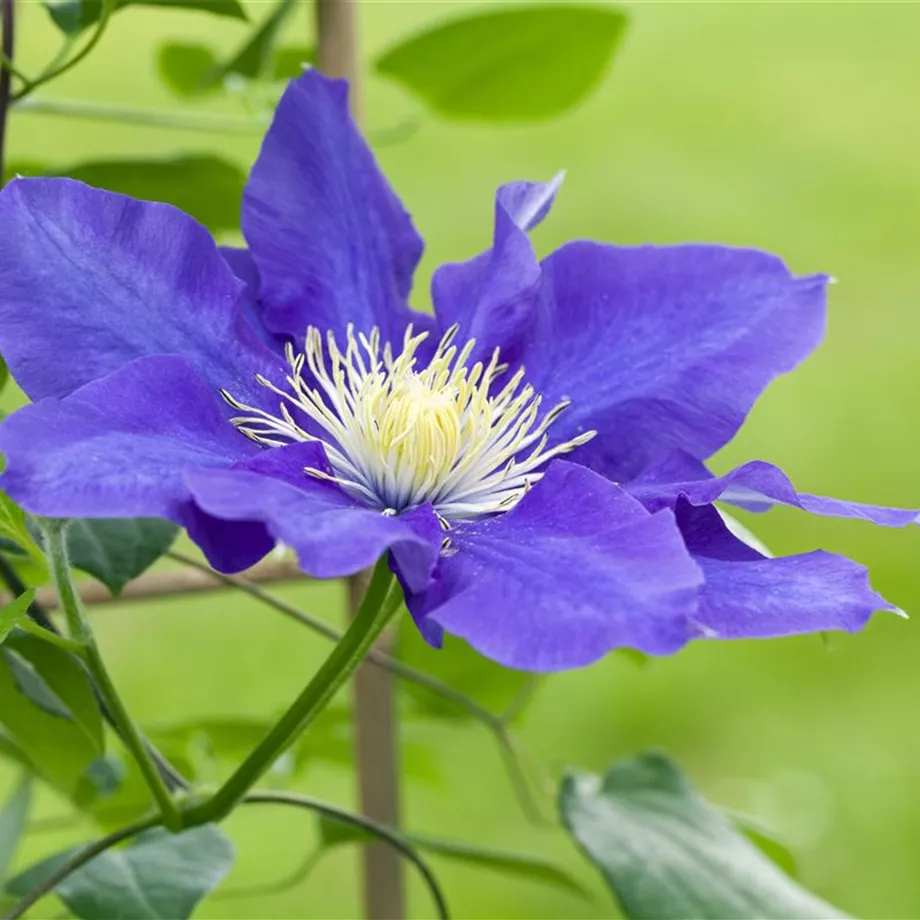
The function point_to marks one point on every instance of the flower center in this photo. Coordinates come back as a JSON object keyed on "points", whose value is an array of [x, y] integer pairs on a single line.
{"points": [[397, 436]]}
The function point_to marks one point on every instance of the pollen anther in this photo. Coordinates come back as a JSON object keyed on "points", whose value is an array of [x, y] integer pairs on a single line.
{"points": [[396, 435]]}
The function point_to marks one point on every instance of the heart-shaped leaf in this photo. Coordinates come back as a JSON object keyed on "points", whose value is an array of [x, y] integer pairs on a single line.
{"points": [[161, 876], [666, 853]]}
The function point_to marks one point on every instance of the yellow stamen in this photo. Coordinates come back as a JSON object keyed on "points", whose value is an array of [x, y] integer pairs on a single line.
{"points": [[397, 436]]}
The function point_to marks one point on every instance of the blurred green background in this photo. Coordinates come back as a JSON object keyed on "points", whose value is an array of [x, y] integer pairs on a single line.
{"points": [[791, 126]]}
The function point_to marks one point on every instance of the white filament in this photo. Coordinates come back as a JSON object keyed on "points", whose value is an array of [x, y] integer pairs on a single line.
{"points": [[396, 437]]}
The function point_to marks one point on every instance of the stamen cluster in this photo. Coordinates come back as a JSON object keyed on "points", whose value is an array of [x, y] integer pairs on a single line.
{"points": [[397, 436]]}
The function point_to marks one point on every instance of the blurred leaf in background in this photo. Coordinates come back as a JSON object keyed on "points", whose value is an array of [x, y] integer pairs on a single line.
{"points": [[191, 69], [522, 64], [73, 16], [206, 186]]}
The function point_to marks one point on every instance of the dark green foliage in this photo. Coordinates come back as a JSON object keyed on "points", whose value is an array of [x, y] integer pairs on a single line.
{"points": [[665, 852]]}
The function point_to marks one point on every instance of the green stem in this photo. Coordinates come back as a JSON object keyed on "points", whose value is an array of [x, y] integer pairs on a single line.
{"points": [[66, 645], [387, 835], [497, 725], [81, 633], [156, 118], [6, 62], [53, 72], [375, 656], [380, 604]]}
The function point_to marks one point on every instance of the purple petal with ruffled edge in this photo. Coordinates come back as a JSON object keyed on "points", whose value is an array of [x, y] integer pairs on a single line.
{"points": [[117, 447], [493, 296], [331, 534], [91, 280], [576, 569], [756, 486], [664, 347], [747, 596], [332, 242]]}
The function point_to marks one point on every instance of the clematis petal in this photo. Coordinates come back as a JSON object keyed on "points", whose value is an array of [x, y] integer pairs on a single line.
{"points": [[117, 447], [756, 486], [665, 347], [576, 569], [493, 296], [332, 242], [244, 267], [91, 280], [747, 596], [331, 534]]}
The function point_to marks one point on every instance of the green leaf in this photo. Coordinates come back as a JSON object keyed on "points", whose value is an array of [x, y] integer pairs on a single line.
{"points": [[11, 751], [511, 65], [117, 551], [203, 185], [533, 868], [161, 876], [4, 374], [48, 708], [190, 69], [73, 16], [186, 68], [101, 780], [459, 666], [30, 684], [251, 60], [765, 841], [39, 723], [13, 612], [14, 527], [13, 822], [633, 656], [665, 852], [66, 679]]}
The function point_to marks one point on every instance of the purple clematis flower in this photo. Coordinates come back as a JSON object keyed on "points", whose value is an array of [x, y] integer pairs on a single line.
{"points": [[531, 457]]}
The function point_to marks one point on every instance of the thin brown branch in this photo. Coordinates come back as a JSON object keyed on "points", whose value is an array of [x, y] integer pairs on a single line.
{"points": [[158, 585]]}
